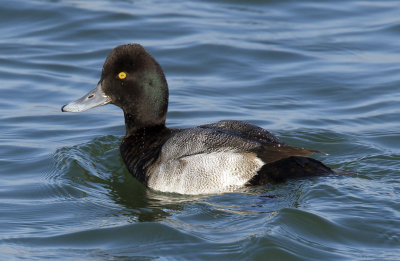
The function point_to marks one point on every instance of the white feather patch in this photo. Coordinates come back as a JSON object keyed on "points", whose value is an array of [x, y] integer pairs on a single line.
{"points": [[205, 173]]}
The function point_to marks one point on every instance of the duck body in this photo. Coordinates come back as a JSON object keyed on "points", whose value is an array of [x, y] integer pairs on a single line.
{"points": [[210, 158], [213, 158]]}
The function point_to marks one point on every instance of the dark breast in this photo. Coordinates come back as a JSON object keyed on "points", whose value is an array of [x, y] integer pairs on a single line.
{"points": [[140, 150]]}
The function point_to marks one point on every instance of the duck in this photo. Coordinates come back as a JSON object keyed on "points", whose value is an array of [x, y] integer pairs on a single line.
{"points": [[212, 158]]}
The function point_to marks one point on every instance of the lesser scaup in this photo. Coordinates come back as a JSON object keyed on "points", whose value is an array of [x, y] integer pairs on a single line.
{"points": [[209, 158]]}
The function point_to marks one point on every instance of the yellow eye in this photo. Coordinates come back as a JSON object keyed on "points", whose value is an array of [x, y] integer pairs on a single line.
{"points": [[122, 75]]}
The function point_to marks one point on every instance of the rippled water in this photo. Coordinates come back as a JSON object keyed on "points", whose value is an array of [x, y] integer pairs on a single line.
{"points": [[319, 74]]}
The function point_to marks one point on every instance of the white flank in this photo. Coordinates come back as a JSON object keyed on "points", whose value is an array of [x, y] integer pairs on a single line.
{"points": [[205, 173]]}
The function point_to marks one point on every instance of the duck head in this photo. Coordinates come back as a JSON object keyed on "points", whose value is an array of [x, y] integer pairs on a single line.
{"points": [[132, 80]]}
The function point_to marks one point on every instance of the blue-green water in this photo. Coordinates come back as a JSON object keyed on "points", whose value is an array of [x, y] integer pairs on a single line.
{"points": [[318, 74]]}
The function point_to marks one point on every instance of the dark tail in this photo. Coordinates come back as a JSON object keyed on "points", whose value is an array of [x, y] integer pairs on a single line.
{"points": [[289, 168]]}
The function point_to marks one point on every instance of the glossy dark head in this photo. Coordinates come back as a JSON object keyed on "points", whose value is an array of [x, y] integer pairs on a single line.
{"points": [[135, 82]]}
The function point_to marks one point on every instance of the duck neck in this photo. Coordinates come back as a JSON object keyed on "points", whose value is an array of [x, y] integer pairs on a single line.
{"points": [[135, 126]]}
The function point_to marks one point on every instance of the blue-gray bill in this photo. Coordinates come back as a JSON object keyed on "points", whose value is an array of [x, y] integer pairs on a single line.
{"points": [[94, 98]]}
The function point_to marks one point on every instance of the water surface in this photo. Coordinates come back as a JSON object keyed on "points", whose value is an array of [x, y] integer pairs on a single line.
{"points": [[318, 74]]}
